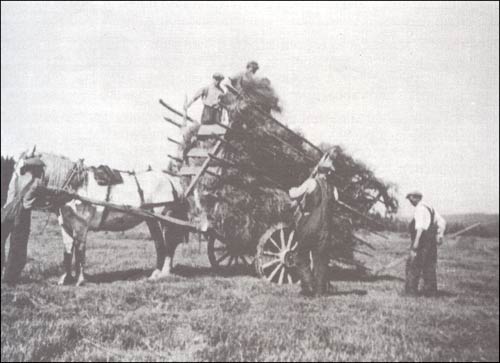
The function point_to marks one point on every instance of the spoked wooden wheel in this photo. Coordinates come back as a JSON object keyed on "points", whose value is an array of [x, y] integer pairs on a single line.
{"points": [[273, 254], [221, 256]]}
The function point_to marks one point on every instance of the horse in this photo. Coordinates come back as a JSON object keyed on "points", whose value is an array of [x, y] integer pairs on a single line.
{"points": [[151, 190]]}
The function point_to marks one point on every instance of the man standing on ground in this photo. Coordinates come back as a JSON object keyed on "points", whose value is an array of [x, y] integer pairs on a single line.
{"points": [[16, 218], [316, 195], [427, 231], [211, 97]]}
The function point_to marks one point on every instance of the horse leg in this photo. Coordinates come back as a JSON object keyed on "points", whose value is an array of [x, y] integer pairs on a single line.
{"points": [[156, 234], [171, 243], [172, 236], [168, 255], [68, 242]]}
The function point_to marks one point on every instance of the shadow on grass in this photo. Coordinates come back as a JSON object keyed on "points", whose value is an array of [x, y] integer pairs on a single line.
{"points": [[125, 275], [232, 271], [437, 295], [336, 274], [348, 292], [200, 271], [443, 293], [178, 270]]}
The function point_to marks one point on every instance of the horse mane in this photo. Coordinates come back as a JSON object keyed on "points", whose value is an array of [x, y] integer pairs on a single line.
{"points": [[60, 169]]}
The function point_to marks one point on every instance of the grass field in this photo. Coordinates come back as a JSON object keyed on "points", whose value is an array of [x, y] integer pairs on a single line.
{"points": [[199, 315]]}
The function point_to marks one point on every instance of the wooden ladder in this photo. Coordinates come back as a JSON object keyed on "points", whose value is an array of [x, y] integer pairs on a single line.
{"points": [[205, 132]]}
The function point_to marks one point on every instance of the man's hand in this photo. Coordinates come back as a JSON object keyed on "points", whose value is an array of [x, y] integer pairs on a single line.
{"points": [[413, 254]]}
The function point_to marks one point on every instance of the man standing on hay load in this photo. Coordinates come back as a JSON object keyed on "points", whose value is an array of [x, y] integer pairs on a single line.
{"points": [[211, 98], [16, 218], [316, 197], [426, 230], [238, 80]]}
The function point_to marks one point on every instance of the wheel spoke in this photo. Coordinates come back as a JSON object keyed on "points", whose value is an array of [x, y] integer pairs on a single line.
{"points": [[274, 243], [271, 276], [245, 260], [294, 246], [229, 261], [282, 274], [221, 248], [268, 253], [289, 278], [282, 238], [266, 265], [290, 239], [222, 258]]}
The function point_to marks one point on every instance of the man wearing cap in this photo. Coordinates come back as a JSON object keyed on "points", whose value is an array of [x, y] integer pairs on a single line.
{"points": [[238, 80], [16, 217], [316, 197], [427, 231], [211, 97]]}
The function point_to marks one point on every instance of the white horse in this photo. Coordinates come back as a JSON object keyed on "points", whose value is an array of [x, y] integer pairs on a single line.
{"points": [[150, 190]]}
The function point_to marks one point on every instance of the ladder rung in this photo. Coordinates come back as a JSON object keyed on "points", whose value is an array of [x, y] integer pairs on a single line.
{"points": [[198, 152], [193, 170], [207, 131]]}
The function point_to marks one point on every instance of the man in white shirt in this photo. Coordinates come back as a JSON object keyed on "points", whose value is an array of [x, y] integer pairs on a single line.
{"points": [[427, 230], [211, 97]]}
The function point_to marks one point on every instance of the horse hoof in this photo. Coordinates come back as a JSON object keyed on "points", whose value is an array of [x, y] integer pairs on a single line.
{"points": [[80, 281], [162, 275], [65, 279], [154, 275]]}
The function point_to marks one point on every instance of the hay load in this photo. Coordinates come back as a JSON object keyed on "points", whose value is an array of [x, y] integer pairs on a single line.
{"points": [[261, 161]]}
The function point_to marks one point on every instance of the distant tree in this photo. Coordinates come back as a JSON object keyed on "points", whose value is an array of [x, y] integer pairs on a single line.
{"points": [[7, 171]]}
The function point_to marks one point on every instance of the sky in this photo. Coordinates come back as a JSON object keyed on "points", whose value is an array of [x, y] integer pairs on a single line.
{"points": [[411, 89]]}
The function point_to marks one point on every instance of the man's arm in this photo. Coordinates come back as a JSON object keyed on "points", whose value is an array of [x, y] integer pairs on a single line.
{"points": [[195, 97], [307, 187], [417, 239], [422, 223]]}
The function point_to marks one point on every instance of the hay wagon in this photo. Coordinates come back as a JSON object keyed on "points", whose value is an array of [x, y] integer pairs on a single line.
{"points": [[256, 156]]}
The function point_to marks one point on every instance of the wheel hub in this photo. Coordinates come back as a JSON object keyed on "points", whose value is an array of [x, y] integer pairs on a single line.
{"points": [[290, 259]]}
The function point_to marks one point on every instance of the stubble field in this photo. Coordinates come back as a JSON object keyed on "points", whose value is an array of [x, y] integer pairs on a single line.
{"points": [[198, 314]]}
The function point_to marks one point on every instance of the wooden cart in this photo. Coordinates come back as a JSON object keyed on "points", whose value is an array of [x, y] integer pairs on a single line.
{"points": [[271, 251]]}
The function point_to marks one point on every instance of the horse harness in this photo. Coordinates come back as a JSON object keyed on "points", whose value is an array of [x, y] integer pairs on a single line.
{"points": [[78, 169]]}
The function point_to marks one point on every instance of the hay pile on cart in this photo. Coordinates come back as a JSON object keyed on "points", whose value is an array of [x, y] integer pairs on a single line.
{"points": [[237, 175]]}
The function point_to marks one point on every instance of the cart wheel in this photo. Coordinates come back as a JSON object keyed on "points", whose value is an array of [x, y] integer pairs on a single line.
{"points": [[220, 256], [272, 253]]}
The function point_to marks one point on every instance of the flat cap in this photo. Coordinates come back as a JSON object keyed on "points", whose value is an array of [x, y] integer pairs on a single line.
{"points": [[415, 193], [218, 75], [253, 64]]}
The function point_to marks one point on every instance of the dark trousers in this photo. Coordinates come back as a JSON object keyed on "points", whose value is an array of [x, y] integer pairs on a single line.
{"points": [[18, 227], [422, 266], [210, 115], [314, 281]]}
